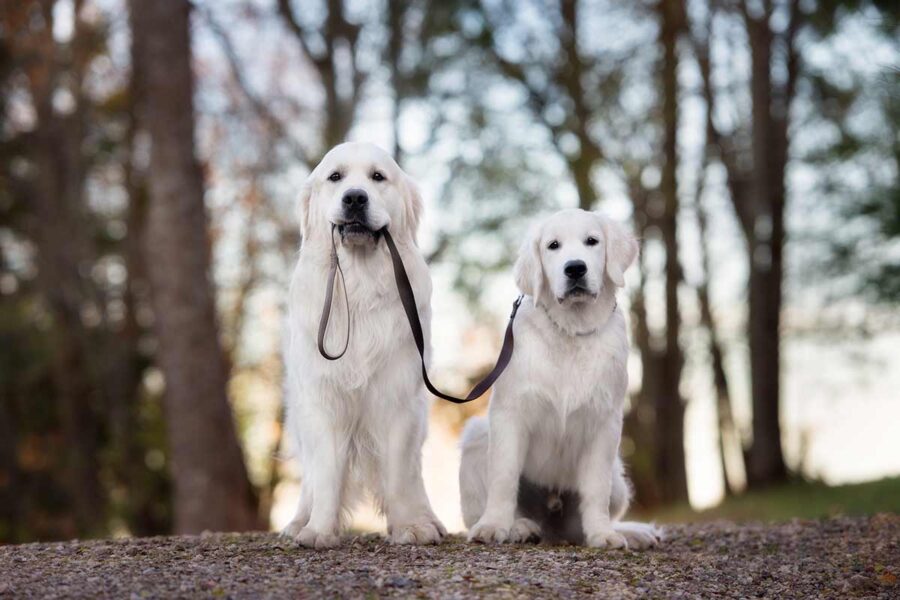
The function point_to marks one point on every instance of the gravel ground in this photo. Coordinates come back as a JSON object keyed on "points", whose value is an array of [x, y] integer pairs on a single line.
{"points": [[838, 558]]}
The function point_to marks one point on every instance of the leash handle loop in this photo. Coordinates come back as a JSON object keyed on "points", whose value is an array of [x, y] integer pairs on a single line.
{"points": [[333, 271]]}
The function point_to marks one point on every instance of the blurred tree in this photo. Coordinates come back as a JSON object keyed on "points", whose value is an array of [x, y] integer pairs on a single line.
{"points": [[757, 191], [859, 170], [756, 153], [669, 405], [63, 246], [568, 77], [72, 402], [872, 214], [342, 81], [211, 487]]}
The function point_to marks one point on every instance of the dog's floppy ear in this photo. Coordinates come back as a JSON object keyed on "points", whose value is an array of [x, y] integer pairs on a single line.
{"points": [[302, 209], [412, 205], [621, 250], [528, 271]]}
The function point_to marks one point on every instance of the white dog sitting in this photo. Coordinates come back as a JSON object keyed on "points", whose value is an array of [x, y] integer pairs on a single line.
{"points": [[545, 462], [359, 421]]}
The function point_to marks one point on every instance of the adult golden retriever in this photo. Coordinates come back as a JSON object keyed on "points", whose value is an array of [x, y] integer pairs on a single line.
{"points": [[359, 421]]}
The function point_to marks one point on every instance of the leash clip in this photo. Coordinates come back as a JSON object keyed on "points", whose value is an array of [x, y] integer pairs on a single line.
{"points": [[516, 305]]}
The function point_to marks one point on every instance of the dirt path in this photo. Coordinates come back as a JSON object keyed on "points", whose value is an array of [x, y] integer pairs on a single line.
{"points": [[836, 558]]}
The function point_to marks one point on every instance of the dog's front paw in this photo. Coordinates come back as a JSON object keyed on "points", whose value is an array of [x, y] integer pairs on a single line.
{"points": [[319, 540], [639, 536], [488, 532], [421, 532], [524, 530], [293, 528], [606, 538]]}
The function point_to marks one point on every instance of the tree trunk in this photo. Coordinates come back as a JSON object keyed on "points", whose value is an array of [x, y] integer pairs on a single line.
{"points": [[766, 239], [639, 422], [758, 197], [212, 491], [670, 461], [11, 496], [571, 77], [395, 17], [62, 237], [581, 170]]}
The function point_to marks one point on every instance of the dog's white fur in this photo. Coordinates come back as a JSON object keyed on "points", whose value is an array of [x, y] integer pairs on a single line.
{"points": [[555, 416], [359, 421]]}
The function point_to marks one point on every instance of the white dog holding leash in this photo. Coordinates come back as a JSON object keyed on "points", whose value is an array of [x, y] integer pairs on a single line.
{"points": [[359, 421]]}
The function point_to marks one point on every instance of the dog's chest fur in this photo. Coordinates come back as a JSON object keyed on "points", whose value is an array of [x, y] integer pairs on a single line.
{"points": [[566, 390], [565, 373], [380, 338]]}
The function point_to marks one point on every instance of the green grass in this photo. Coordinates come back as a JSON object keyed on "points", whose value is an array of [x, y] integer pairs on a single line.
{"points": [[805, 500]]}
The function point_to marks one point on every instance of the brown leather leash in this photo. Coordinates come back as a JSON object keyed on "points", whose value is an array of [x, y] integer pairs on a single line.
{"points": [[408, 299]]}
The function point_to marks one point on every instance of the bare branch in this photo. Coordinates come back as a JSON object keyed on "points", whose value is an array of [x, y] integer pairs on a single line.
{"points": [[795, 21], [724, 143], [272, 122], [293, 25]]}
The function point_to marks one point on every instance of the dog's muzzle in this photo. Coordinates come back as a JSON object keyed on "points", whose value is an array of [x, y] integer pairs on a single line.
{"points": [[576, 272], [354, 224]]}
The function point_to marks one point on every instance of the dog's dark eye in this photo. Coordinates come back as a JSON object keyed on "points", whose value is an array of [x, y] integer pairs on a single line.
{"points": [[334, 176], [378, 176], [591, 241], [554, 245]]}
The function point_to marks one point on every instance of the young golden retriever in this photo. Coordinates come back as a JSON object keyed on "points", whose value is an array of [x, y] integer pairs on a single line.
{"points": [[545, 463]]}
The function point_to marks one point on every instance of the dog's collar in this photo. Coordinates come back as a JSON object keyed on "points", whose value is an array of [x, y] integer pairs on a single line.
{"points": [[580, 334]]}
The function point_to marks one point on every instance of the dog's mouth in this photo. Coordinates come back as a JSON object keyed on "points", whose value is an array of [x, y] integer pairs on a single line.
{"points": [[577, 292], [355, 230]]}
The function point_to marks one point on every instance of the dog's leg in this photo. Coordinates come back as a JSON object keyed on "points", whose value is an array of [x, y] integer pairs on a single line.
{"points": [[304, 508], [595, 476], [620, 492], [327, 465], [638, 535], [473, 482], [294, 429], [506, 455], [410, 519]]}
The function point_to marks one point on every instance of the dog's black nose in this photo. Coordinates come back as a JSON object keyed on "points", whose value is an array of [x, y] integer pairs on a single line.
{"points": [[355, 198], [575, 269]]}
